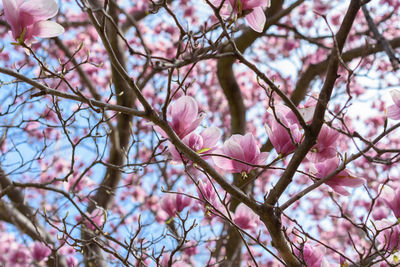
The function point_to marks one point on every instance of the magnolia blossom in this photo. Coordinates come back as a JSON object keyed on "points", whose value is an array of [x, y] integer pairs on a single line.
{"points": [[338, 182], [97, 216], [29, 19], [281, 139], [202, 143], [173, 203], [40, 251], [245, 217], [393, 111], [243, 148], [206, 192], [389, 236], [185, 117], [325, 147], [252, 9], [18, 257], [392, 199], [313, 256]]}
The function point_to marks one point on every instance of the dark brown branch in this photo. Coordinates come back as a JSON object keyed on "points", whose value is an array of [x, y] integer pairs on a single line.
{"points": [[324, 97], [303, 84], [48, 91], [381, 40]]}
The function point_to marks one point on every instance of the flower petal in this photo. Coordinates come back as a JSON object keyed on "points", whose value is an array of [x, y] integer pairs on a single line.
{"points": [[11, 13], [40, 9], [47, 29], [396, 97], [210, 137], [256, 19], [393, 112], [249, 148]]}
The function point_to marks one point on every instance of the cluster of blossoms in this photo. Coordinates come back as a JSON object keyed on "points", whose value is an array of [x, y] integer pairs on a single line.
{"points": [[241, 154], [284, 131], [388, 230]]}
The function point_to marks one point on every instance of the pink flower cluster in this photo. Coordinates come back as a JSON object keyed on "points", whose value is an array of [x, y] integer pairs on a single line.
{"points": [[285, 133], [238, 154]]}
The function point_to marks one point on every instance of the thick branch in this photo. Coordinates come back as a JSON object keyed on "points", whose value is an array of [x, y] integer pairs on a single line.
{"points": [[324, 97]]}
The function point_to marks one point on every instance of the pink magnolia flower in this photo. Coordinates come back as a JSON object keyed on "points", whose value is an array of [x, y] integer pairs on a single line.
{"points": [[312, 255], [389, 236], [393, 111], [280, 138], [71, 261], [40, 251], [206, 191], [392, 199], [97, 216], [341, 180], [185, 117], [252, 9], [18, 257], [325, 148], [173, 203], [202, 143], [30, 18], [243, 148], [245, 217]]}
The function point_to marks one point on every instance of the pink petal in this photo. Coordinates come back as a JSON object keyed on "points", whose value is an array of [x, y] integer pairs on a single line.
{"points": [[339, 189], [233, 149], [250, 4], [261, 158], [11, 13], [222, 162], [160, 131], [210, 136], [40, 9], [47, 29], [194, 141], [249, 148], [184, 115], [393, 112], [256, 19], [193, 126], [396, 97], [174, 152]]}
